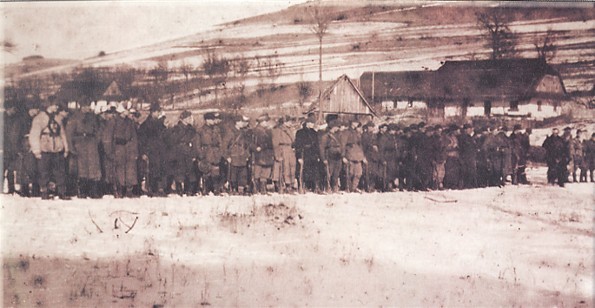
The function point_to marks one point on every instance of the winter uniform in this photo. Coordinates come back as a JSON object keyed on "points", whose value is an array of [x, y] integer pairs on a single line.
{"points": [[49, 144], [331, 152], [557, 157], [307, 149], [209, 150], [121, 149], [180, 165], [152, 145], [263, 157], [589, 154], [468, 157], [84, 135], [354, 157], [13, 130], [238, 152], [285, 162], [578, 161]]}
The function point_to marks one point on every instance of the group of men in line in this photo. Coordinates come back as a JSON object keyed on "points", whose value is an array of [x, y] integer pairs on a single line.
{"points": [[568, 156], [90, 155]]}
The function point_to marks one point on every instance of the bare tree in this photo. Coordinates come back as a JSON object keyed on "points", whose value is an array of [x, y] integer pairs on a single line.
{"points": [[186, 70], [494, 23], [273, 67], [218, 69], [320, 22], [241, 67], [546, 48]]}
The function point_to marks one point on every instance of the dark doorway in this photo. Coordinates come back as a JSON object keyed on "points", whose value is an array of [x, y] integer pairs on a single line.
{"points": [[487, 108]]}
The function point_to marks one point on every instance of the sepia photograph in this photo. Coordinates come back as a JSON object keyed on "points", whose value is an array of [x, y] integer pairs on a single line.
{"points": [[292, 153]]}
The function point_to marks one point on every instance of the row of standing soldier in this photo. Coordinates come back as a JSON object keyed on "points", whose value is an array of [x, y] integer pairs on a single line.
{"points": [[115, 154]]}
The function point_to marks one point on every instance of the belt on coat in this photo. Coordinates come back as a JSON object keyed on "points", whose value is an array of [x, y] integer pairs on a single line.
{"points": [[84, 135]]}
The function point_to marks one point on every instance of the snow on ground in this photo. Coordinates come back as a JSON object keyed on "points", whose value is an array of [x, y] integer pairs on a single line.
{"points": [[511, 246]]}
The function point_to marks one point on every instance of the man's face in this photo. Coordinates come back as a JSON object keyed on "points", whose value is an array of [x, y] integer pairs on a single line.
{"points": [[155, 114], [33, 112], [555, 132], [310, 125], [384, 129], [52, 109]]}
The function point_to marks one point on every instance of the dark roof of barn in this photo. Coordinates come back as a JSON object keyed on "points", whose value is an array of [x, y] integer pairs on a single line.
{"points": [[408, 84], [512, 79]]}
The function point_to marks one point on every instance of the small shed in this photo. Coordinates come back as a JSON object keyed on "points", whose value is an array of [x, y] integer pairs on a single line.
{"points": [[343, 98], [113, 90]]}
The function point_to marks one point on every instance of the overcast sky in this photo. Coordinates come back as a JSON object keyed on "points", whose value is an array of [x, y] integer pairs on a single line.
{"points": [[77, 30]]}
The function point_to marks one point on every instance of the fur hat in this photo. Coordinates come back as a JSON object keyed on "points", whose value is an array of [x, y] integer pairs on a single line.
{"points": [[185, 114]]}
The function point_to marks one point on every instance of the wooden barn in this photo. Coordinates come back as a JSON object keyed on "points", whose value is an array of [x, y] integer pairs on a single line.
{"points": [[508, 87], [344, 99]]}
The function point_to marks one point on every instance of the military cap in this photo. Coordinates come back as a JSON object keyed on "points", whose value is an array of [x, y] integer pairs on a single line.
{"points": [[155, 107], [310, 120], [413, 126], [186, 114], [421, 124], [263, 117], [567, 128], [393, 126]]}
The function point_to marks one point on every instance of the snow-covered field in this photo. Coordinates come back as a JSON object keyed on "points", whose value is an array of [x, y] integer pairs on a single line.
{"points": [[511, 246]]}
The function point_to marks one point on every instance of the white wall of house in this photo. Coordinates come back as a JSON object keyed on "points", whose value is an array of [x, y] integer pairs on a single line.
{"points": [[404, 104], [547, 109]]}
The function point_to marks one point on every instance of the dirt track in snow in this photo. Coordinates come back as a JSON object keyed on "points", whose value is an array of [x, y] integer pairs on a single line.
{"points": [[527, 245]]}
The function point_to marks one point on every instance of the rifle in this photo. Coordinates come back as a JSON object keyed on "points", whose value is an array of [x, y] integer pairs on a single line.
{"points": [[384, 176], [229, 188], [367, 175], [145, 185], [301, 180], [348, 176], [282, 177], [328, 178]]}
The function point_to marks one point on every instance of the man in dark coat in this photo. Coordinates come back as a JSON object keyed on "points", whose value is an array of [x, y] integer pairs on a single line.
{"points": [[210, 150], [263, 154], [370, 145], [331, 153], [120, 142], [439, 143], [13, 129], [506, 154], [153, 152], [353, 155], [577, 156], [491, 151], [84, 134], [181, 154], [308, 155], [28, 173], [283, 138], [468, 157], [238, 155], [589, 154], [519, 156], [452, 166], [557, 155]]}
